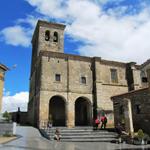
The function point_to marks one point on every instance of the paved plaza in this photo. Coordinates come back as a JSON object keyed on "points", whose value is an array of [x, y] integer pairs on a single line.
{"points": [[30, 139]]}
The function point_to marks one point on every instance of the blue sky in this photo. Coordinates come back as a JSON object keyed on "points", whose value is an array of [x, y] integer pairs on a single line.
{"points": [[111, 29]]}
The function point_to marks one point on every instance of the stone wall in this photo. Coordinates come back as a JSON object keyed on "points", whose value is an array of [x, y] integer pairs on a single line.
{"points": [[70, 71], [144, 67], [39, 42], [70, 86], [106, 88], [69, 98], [6, 128], [140, 104]]}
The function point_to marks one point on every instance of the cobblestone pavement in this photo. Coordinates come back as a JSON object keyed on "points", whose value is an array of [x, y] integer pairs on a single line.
{"points": [[32, 140]]}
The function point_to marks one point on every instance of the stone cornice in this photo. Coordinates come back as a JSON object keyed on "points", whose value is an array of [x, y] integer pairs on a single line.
{"points": [[64, 56], [4, 67], [46, 89], [80, 58], [109, 84]]}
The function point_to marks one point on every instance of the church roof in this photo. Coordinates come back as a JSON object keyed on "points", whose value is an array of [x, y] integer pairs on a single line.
{"points": [[129, 93]]}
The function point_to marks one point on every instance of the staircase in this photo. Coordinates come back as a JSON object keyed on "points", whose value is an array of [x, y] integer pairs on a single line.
{"points": [[82, 134]]}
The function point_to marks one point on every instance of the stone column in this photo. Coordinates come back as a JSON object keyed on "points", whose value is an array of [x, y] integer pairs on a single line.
{"points": [[128, 116], [43, 114], [70, 114]]}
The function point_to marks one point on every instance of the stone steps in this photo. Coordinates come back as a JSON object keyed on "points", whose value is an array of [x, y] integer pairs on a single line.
{"points": [[87, 140], [82, 134], [86, 137]]}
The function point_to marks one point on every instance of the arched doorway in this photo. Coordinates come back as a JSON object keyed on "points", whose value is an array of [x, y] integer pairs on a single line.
{"points": [[83, 113], [57, 112]]}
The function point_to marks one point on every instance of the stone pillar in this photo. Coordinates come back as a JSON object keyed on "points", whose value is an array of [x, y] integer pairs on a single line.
{"points": [[128, 116], [43, 115], [70, 114]]}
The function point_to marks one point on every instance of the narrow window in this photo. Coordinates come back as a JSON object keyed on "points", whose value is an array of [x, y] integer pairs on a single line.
{"points": [[138, 108], [47, 35], [58, 77], [144, 79], [83, 80], [55, 39], [114, 77]]}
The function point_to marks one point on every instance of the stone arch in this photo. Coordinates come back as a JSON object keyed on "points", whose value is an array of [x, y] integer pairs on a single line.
{"points": [[83, 112], [47, 35], [55, 38], [57, 110]]}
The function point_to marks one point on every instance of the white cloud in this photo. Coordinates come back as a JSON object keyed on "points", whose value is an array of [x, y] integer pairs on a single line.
{"points": [[110, 34], [113, 38], [30, 21], [16, 35], [49, 7], [11, 103], [106, 1]]}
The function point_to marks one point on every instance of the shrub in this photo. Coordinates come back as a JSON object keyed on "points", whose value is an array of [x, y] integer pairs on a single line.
{"points": [[7, 116], [7, 134], [140, 134]]}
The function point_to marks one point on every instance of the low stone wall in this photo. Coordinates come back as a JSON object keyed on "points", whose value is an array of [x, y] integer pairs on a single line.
{"points": [[6, 128]]}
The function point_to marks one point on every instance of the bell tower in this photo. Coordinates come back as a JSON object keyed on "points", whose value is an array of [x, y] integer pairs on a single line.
{"points": [[48, 36]]}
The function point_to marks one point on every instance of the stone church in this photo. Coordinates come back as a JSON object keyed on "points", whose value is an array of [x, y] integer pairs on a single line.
{"points": [[71, 90]]}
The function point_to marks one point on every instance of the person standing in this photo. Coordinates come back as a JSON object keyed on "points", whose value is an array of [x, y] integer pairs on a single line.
{"points": [[103, 122], [97, 122]]}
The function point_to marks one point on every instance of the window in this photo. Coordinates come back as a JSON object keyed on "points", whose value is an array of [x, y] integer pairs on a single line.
{"points": [[138, 108], [83, 80], [114, 77], [55, 39], [47, 35], [144, 79], [58, 77]]}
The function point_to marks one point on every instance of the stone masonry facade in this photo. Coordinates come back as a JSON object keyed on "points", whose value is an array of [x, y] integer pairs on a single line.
{"points": [[140, 106], [77, 80], [139, 117]]}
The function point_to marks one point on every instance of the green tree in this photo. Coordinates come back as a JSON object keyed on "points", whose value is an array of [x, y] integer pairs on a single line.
{"points": [[7, 116]]}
